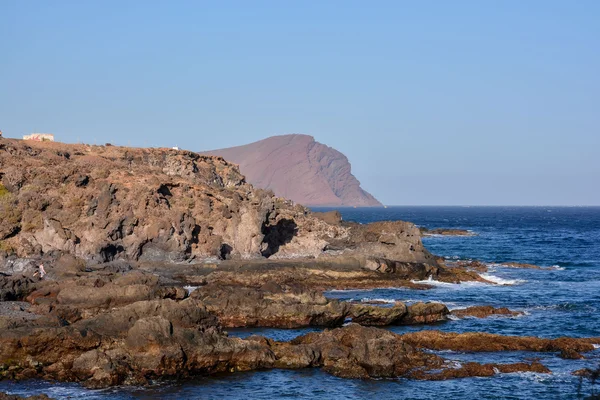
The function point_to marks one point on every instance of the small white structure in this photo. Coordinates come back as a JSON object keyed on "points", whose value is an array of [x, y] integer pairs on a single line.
{"points": [[175, 148], [40, 137]]}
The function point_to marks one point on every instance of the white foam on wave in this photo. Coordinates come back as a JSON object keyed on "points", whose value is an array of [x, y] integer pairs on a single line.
{"points": [[190, 289], [454, 307], [433, 282], [596, 346], [349, 290], [493, 266], [501, 281], [378, 300], [454, 364]]}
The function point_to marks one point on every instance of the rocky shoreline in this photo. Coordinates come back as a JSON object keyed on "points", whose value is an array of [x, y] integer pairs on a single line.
{"points": [[151, 254]]}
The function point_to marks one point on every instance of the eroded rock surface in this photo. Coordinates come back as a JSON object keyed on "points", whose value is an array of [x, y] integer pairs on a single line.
{"points": [[480, 341], [484, 312]]}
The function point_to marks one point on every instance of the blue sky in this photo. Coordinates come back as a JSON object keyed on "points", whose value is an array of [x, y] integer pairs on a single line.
{"points": [[434, 102]]}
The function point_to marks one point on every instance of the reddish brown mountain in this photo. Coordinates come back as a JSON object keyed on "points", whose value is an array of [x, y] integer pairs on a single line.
{"points": [[299, 168]]}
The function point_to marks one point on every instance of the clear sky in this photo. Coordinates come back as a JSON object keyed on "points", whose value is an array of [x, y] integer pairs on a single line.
{"points": [[434, 102]]}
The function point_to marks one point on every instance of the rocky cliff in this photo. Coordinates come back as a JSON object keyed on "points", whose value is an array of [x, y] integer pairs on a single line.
{"points": [[299, 168], [104, 203]]}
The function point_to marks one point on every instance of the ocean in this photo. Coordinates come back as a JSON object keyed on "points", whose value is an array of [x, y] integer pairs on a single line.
{"points": [[563, 300]]}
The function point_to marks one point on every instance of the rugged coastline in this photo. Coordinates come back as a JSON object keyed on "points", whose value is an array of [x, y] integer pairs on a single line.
{"points": [[123, 232]]}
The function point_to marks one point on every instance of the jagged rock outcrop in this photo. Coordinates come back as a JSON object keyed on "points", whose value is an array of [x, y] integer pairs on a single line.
{"points": [[150, 340], [484, 312], [294, 306], [106, 203], [299, 168], [103, 203], [105, 328], [482, 341]]}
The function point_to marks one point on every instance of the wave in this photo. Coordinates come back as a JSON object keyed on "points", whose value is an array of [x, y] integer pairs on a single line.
{"points": [[501, 281], [494, 265], [377, 300], [491, 278], [433, 282], [190, 289], [349, 290]]}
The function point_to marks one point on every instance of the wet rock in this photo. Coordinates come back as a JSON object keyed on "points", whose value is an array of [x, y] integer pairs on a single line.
{"points": [[472, 369], [479, 341], [354, 352], [473, 265], [129, 344], [360, 352], [378, 316], [324, 273], [484, 312], [271, 306], [570, 354]]}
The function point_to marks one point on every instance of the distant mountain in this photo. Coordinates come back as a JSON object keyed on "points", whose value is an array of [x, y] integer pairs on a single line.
{"points": [[301, 169]]}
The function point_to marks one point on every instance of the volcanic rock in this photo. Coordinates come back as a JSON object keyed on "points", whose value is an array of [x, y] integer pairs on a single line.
{"points": [[480, 341], [109, 204], [484, 312]]}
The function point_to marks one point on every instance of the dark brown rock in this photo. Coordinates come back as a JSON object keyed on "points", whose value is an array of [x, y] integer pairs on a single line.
{"points": [[473, 341], [370, 315], [424, 313], [484, 312], [271, 306], [15, 287]]}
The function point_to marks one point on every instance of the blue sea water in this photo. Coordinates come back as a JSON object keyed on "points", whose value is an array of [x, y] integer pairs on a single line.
{"points": [[561, 301]]}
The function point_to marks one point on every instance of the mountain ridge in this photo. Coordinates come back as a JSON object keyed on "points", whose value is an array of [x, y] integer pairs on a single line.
{"points": [[298, 167]]}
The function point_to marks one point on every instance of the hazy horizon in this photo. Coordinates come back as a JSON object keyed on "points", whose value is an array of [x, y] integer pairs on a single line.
{"points": [[438, 103]]}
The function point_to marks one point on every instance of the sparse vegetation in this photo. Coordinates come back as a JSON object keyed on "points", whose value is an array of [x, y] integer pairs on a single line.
{"points": [[3, 191], [6, 247], [31, 221], [10, 215]]}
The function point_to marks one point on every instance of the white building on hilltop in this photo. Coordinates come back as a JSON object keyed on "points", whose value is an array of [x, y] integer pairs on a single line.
{"points": [[40, 137]]}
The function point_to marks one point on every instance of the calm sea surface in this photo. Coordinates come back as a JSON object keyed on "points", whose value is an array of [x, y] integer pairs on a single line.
{"points": [[561, 301]]}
